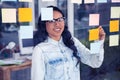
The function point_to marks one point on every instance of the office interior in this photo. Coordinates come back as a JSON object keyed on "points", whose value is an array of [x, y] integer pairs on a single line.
{"points": [[77, 16]]}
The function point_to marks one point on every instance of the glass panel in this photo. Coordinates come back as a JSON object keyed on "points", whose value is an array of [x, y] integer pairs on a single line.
{"points": [[62, 4], [36, 8], [111, 64], [9, 31]]}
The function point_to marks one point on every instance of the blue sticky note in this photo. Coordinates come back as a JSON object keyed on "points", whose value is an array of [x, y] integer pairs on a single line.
{"points": [[26, 32], [45, 15], [101, 1], [95, 47]]}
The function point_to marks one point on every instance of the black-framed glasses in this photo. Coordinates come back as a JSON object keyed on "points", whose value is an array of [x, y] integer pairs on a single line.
{"points": [[56, 20]]}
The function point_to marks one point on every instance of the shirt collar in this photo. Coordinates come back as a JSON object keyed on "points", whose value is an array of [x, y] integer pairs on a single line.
{"points": [[54, 41]]}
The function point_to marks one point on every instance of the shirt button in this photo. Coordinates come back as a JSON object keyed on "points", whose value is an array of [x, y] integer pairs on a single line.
{"points": [[67, 67], [69, 78]]}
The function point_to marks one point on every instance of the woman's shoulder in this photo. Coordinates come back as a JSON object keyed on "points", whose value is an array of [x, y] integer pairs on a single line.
{"points": [[42, 44], [75, 39]]}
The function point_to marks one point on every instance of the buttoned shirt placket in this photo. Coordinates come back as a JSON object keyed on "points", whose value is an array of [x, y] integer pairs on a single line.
{"points": [[66, 62]]}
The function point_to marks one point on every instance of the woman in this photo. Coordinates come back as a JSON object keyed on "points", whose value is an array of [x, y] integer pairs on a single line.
{"points": [[57, 54]]}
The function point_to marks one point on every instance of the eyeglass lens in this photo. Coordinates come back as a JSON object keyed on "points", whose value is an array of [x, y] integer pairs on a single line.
{"points": [[57, 20]]}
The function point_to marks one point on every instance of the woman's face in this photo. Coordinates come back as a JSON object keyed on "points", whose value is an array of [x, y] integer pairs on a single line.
{"points": [[55, 27]]}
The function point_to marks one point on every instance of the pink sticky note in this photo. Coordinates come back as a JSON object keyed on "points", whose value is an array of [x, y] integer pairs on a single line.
{"points": [[94, 19], [8, 15]]}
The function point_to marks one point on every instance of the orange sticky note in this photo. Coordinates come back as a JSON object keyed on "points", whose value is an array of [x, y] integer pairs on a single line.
{"points": [[25, 14], [93, 34], [114, 25]]}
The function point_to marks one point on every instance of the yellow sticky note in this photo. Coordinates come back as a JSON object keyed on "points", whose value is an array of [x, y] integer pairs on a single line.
{"points": [[94, 19], [93, 34], [8, 15], [114, 25], [114, 40], [25, 14]]}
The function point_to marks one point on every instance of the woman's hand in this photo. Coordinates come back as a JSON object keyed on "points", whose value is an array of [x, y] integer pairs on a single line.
{"points": [[101, 33]]}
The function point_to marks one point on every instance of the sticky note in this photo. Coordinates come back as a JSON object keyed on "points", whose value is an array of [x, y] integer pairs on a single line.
{"points": [[8, 15], [8, 0], [25, 0], [46, 14], [101, 1], [93, 34], [26, 32], [115, 1], [76, 1], [94, 19], [24, 14], [113, 40], [114, 25], [95, 47], [89, 1], [47, 0], [115, 12]]}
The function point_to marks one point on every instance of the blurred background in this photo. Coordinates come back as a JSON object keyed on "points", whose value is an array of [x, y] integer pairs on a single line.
{"points": [[77, 19]]}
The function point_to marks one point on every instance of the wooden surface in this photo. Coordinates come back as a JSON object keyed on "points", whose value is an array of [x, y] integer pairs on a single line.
{"points": [[5, 71]]}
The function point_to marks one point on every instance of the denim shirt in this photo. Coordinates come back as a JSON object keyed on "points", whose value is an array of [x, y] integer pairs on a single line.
{"points": [[52, 60]]}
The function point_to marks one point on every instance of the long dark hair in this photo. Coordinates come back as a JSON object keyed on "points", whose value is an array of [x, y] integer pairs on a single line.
{"points": [[41, 34]]}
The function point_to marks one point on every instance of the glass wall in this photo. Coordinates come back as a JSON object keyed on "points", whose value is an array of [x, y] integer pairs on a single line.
{"points": [[62, 4], [10, 24], [111, 65]]}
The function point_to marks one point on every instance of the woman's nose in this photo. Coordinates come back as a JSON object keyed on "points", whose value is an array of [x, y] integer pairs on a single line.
{"points": [[56, 23]]}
